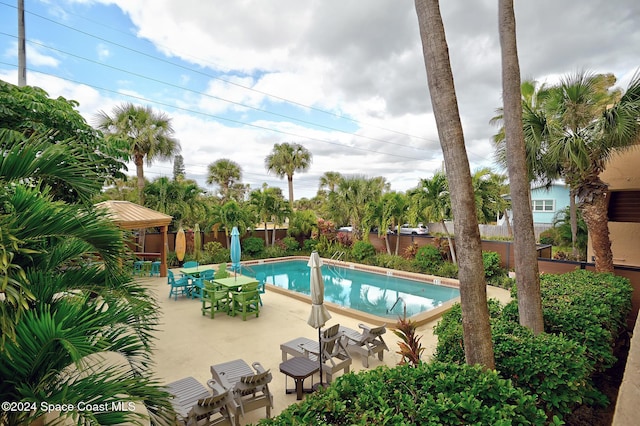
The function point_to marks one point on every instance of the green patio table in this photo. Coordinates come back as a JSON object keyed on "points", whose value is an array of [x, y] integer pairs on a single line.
{"points": [[232, 283], [196, 270]]}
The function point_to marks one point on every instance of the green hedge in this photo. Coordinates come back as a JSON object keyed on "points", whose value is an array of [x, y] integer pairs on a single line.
{"points": [[429, 394]]}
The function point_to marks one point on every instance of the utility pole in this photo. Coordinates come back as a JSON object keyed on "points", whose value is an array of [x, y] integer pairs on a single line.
{"points": [[22, 47]]}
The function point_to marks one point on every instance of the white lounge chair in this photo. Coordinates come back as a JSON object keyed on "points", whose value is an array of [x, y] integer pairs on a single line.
{"points": [[367, 343]]}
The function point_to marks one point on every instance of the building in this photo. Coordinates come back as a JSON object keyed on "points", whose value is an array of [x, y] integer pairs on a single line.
{"points": [[547, 201]]}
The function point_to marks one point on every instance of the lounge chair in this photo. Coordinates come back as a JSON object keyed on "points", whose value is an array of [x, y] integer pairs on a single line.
{"points": [[367, 343], [195, 405], [214, 299], [248, 387], [246, 301], [181, 286], [334, 353]]}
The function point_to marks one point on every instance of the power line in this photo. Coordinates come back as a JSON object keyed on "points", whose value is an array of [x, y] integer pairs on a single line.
{"points": [[280, 98]]}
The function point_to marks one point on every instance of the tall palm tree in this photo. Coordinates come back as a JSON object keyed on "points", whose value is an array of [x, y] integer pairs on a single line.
{"points": [[526, 257], [473, 293], [286, 159], [586, 127], [148, 134], [431, 202], [225, 173]]}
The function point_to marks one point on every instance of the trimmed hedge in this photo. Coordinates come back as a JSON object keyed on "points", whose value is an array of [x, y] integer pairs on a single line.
{"points": [[429, 394]]}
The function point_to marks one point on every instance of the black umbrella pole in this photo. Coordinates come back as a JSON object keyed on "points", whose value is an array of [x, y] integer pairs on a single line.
{"points": [[320, 354]]}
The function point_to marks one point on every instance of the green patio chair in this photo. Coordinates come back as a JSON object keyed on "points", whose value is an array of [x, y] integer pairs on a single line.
{"points": [[222, 271], [247, 301], [214, 299]]}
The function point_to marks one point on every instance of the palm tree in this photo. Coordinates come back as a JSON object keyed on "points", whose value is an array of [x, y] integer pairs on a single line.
{"points": [[352, 197], [286, 159], [431, 202], [148, 134], [473, 294], [264, 203], [225, 173], [330, 180], [526, 257], [488, 188], [391, 212], [228, 215]]}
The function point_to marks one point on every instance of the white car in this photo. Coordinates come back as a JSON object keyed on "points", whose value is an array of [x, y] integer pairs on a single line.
{"points": [[345, 229], [407, 229]]}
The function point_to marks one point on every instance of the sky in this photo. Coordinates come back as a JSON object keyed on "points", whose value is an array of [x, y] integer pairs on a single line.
{"points": [[344, 78]]}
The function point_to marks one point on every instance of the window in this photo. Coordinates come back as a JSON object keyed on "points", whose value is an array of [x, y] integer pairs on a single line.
{"points": [[543, 205]]}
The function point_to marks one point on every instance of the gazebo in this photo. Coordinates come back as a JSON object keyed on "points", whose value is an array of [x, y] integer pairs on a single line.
{"points": [[128, 215]]}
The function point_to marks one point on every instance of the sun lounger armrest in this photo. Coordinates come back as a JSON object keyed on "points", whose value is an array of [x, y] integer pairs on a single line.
{"points": [[258, 367], [216, 387]]}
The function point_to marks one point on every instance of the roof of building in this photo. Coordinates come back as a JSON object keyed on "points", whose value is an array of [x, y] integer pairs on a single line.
{"points": [[128, 215]]}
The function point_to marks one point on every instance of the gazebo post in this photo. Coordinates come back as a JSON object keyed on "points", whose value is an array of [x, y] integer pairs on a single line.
{"points": [[164, 249]]}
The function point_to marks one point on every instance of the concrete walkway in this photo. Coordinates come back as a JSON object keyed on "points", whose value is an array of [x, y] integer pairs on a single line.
{"points": [[188, 343]]}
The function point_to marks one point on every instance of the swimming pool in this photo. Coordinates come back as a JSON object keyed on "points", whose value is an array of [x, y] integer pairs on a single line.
{"points": [[364, 291]]}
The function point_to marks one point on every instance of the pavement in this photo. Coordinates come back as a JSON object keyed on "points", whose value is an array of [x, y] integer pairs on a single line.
{"points": [[188, 343]]}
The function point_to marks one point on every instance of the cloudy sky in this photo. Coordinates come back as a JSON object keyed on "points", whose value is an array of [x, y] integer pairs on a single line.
{"points": [[344, 78]]}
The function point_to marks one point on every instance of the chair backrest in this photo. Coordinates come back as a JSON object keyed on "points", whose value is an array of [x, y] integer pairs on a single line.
{"points": [[170, 278], [190, 264], [331, 344], [222, 271], [250, 287], [369, 335], [207, 275], [253, 382]]}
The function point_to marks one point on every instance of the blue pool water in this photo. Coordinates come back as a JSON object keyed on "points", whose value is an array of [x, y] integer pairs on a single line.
{"points": [[364, 291]]}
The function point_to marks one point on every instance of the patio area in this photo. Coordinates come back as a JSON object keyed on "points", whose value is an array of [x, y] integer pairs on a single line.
{"points": [[189, 343]]}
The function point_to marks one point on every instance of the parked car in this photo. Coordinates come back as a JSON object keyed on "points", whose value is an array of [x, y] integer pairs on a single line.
{"points": [[407, 229], [345, 229]]}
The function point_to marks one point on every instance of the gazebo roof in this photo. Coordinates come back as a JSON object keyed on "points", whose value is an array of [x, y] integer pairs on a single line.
{"points": [[128, 215]]}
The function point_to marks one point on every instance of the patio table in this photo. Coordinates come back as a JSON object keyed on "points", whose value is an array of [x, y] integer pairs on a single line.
{"points": [[233, 283], [196, 270]]}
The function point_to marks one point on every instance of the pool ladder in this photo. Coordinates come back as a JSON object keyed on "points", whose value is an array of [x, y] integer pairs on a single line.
{"points": [[336, 258], [404, 312]]}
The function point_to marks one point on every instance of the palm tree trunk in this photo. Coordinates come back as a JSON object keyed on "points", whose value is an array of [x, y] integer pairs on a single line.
{"points": [[573, 218], [290, 181], [526, 258], [595, 215], [478, 346], [266, 234], [452, 249]]}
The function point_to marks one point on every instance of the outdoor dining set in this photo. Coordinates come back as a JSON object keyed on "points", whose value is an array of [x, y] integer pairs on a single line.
{"points": [[219, 291], [236, 387]]}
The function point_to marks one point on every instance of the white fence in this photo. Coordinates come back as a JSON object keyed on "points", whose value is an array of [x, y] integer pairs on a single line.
{"points": [[487, 231]]}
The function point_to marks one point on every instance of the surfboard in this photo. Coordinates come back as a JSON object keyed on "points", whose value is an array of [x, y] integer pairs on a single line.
{"points": [[181, 244]]}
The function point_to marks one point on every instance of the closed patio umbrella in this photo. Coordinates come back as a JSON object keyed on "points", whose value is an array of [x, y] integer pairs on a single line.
{"points": [[236, 250], [319, 313]]}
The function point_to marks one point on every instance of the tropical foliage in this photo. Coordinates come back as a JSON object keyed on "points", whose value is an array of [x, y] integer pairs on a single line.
{"points": [[75, 327]]}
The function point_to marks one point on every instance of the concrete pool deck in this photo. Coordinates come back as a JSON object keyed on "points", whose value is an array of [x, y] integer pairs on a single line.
{"points": [[188, 343]]}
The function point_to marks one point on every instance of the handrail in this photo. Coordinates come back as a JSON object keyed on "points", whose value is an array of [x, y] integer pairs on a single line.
{"points": [[336, 258], [399, 299]]}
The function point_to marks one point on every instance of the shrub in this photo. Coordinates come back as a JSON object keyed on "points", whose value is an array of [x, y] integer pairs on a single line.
{"points": [[589, 308], [553, 367], [290, 244], [392, 261], [428, 258], [362, 250], [310, 244], [428, 394], [550, 236], [491, 262], [253, 246], [274, 251], [447, 270]]}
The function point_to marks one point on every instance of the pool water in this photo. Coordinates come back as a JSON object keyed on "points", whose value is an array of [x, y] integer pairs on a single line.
{"points": [[361, 290]]}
